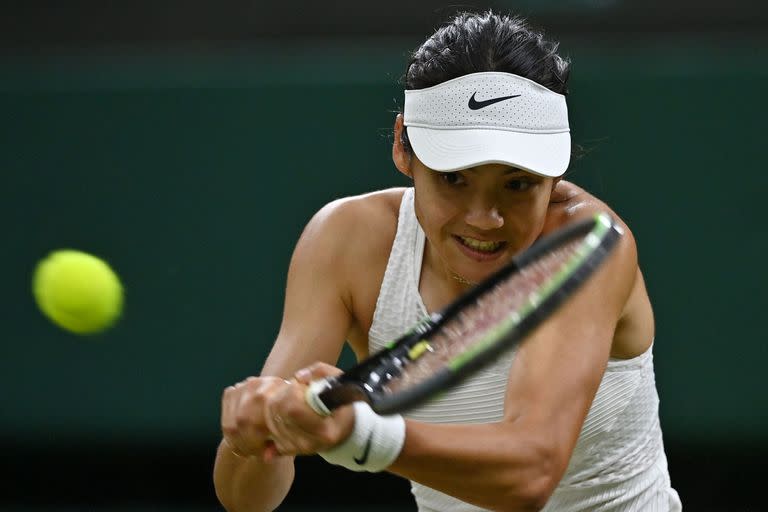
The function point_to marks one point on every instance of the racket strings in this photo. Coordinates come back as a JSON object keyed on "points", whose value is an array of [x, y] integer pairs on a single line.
{"points": [[489, 318]]}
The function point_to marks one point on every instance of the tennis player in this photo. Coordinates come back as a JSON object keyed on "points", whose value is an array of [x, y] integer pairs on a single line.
{"points": [[568, 421]]}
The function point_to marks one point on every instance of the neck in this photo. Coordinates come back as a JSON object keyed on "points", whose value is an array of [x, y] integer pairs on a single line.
{"points": [[451, 279], [438, 285], [459, 278]]}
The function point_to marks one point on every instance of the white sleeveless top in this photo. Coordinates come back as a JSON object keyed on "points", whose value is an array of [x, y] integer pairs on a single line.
{"points": [[618, 463]]}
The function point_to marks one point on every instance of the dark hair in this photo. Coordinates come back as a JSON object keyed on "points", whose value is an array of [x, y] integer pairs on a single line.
{"points": [[474, 43]]}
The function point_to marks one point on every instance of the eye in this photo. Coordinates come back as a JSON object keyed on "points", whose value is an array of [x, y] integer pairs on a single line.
{"points": [[519, 185], [452, 178]]}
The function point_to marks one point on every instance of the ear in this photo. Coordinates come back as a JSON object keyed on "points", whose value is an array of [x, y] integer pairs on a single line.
{"points": [[401, 157]]}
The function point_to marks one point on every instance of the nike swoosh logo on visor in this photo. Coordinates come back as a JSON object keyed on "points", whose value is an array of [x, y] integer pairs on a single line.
{"points": [[477, 105]]}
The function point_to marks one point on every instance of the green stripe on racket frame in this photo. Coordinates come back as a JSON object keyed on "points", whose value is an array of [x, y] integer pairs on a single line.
{"points": [[491, 318]]}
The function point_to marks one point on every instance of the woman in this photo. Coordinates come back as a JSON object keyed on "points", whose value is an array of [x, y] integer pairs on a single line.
{"points": [[569, 421]]}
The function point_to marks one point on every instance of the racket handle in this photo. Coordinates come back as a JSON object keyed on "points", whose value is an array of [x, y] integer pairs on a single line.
{"points": [[312, 396]]}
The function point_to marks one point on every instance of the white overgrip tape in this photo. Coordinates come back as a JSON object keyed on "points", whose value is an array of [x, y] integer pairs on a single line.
{"points": [[312, 397], [373, 445]]}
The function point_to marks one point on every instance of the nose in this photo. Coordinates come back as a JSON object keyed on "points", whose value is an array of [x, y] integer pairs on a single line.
{"points": [[484, 217]]}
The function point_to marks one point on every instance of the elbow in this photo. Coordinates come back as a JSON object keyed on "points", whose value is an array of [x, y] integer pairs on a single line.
{"points": [[532, 497], [537, 496], [530, 486]]}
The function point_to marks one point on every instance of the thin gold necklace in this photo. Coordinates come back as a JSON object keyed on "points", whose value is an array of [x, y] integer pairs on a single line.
{"points": [[460, 279]]}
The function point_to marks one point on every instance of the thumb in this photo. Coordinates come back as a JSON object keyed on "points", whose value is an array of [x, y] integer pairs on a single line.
{"points": [[315, 371]]}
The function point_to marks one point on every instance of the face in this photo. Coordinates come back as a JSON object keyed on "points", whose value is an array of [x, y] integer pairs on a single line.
{"points": [[476, 219]]}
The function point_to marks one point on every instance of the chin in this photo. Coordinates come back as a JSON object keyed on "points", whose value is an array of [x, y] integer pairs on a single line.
{"points": [[476, 272]]}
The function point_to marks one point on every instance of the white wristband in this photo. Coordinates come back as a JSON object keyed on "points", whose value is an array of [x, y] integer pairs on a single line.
{"points": [[374, 443]]}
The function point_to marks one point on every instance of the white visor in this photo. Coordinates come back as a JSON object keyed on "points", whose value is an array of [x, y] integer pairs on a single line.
{"points": [[486, 118]]}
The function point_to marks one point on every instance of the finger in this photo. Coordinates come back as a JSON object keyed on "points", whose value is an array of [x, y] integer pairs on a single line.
{"points": [[248, 412], [285, 439], [280, 439], [248, 430], [291, 404], [318, 370], [229, 427], [270, 452], [286, 417], [232, 447], [276, 417]]}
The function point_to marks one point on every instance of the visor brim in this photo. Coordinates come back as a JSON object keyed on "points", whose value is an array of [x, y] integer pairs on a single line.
{"points": [[449, 150]]}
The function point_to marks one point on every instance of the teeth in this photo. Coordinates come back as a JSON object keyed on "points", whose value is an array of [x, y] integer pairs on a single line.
{"points": [[480, 245]]}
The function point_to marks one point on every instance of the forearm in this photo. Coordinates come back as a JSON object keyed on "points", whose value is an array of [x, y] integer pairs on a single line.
{"points": [[495, 466], [250, 485]]}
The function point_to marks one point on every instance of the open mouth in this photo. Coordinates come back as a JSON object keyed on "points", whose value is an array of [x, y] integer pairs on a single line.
{"points": [[481, 247]]}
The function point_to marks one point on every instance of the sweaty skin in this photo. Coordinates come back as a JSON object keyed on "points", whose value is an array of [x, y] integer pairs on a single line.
{"points": [[333, 284]]}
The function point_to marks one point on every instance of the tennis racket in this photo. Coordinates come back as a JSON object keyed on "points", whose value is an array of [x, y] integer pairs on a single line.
{"points": [[492, 317]]}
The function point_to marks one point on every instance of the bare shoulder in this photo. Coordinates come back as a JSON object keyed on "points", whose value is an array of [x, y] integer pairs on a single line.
{"points": [[359, 226], [335, 257], [635, 329], [353, 238], [570, 203]]}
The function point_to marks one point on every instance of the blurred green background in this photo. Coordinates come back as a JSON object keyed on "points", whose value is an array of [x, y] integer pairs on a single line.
{"points": [[193, 169]]}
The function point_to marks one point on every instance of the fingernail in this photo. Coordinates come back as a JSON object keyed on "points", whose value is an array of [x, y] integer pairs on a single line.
{"points": [[303, 374]]}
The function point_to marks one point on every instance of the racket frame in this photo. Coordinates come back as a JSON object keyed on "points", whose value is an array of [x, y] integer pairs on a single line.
{"points": [[361, 382]]}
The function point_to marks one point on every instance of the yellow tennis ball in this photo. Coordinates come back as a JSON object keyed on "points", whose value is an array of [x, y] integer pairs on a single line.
{"points": [[77, 291]]}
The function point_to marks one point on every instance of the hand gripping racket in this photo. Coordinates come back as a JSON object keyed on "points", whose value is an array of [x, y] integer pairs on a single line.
{"points": [[493, 317]]}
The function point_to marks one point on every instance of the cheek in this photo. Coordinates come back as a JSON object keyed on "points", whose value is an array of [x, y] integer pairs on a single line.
{"points": [[432, 210], [433, 216], [537, 216], [524, 219]]}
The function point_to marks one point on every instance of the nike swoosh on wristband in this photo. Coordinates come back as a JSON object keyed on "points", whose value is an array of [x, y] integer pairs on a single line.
{"points": [[366, 450], [477, 105]]}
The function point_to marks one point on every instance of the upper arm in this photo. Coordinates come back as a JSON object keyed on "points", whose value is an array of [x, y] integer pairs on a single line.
{"points": [[316, 314], [557, 371]]}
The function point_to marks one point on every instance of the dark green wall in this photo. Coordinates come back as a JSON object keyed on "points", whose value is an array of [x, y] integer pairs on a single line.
{"points": [[194, 175]]}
